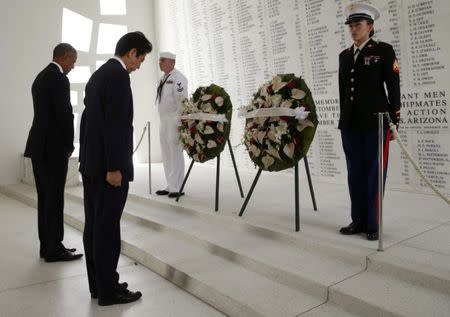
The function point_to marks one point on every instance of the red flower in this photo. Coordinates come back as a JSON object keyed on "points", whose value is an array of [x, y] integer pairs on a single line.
{"points": [[193, 130], [291, 84], [296, 141], [219, 139], [285, 118], [270, 90]]}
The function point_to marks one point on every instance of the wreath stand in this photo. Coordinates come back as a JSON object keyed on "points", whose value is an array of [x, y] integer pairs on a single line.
{"points": [[217, 177], [297, 202]]}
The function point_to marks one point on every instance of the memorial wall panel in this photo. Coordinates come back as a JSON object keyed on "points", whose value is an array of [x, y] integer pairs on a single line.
{"points": [[241, 44]]}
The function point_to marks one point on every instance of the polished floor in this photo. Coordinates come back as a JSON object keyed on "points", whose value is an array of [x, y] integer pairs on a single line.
{"points": [[31, 287]]}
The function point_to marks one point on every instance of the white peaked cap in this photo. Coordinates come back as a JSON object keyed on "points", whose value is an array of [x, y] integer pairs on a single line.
{"points": [[361, 11], [168, 55]]}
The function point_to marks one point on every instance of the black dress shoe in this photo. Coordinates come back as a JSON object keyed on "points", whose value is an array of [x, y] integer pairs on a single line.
{"points": [[42, 252], [175, 195], [372, 236], [352, 228], [62, 256], [121, 297], [162, 192], [120, 286]]}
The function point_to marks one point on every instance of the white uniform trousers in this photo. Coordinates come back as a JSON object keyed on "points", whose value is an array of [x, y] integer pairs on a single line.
{"points": [[171, 150]]}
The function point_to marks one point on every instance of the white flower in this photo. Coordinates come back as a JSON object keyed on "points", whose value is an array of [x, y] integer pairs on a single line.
{"points": [[211, 144], [277, 83], [272, 136], [199, 139], [267, 161], [206, 97], [298, 94], [219, 101], [276, 100], [190, 141], [289, 150], [276, 79], [207, 108], [286, 104], [276, 87], [208, 130], [220, 127], [196, 158], [283, 124], [254, 149], [281, 129], [272, 151], [260, 101], [263, 92], [260, 136]]}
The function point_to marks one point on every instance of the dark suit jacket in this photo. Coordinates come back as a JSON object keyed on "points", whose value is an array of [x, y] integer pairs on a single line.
{"points": [[51, 133], [106, 132], [361, 86]]}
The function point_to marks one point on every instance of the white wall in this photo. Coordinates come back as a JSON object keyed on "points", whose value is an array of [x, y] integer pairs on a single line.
{"points": [[28, 31]]}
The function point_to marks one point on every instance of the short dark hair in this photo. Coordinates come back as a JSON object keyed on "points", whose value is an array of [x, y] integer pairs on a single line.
{"points": [[132, 40], [62, 49]]}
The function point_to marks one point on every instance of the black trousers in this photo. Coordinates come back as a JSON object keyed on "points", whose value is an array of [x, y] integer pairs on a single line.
{"points": [[103, 207], [361, 154], [50, 177]]}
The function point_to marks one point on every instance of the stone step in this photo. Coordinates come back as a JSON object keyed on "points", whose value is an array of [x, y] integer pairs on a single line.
{"points": [[307, 267], [247, 270], [376, 294], [205, 272], [423, 260]]}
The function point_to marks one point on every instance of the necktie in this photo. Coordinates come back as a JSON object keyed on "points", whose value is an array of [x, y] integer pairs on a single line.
{"points": [[160, 87], [355, 54]]}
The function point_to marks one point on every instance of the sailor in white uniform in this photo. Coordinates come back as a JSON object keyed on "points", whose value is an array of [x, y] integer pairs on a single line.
{"points": [[172, 90]]}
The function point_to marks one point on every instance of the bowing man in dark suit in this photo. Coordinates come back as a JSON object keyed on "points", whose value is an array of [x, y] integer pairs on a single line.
{"points": [[106, 164], [49, 145], [365, 69]]}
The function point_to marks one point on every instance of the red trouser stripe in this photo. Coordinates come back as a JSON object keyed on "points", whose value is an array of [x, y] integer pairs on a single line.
{"points": [[385, 158]]}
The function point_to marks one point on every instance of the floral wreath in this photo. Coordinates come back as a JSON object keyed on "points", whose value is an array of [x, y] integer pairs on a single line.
{"points": [[205, 123], [281, 121]]}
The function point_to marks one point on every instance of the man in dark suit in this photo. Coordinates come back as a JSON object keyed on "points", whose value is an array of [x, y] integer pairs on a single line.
{"points": [[106, 164], [365, 69], [49, 145]]}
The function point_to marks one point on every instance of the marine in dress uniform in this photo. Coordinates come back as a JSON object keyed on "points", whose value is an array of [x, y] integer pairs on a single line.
{"points": [[367, 70], [106, 164], [172, 89], [49, 145]]}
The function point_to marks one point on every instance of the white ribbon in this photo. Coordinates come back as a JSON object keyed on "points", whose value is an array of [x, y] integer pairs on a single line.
{"points": [[299, 113], [205, 117]]}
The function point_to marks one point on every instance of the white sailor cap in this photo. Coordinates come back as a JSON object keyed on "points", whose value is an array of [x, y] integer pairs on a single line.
{"points": [[167, 55], [361, 11]]}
